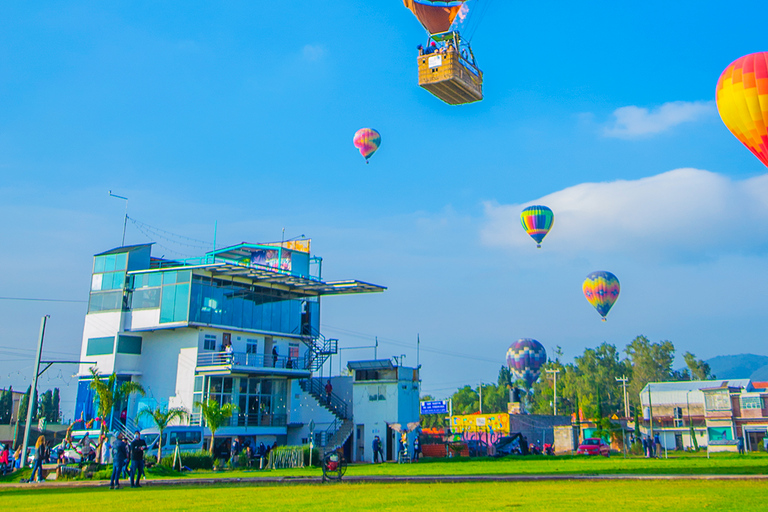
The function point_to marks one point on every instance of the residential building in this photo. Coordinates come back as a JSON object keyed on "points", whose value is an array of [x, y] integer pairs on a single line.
{"points": [[239, 325], [716, 412]]}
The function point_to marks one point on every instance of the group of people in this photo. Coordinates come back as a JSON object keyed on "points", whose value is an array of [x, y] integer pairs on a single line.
{"points": [[128, 459], [251, 451], [402, 452]]}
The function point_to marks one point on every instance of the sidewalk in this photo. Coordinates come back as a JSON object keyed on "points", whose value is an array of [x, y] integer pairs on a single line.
{"points": [[374, 479]]}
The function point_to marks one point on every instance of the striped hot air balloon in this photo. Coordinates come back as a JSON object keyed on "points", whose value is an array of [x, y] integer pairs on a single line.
{"points": [[367, 140], [525, 357], [742, 100], [537, 221], [601, 290]]}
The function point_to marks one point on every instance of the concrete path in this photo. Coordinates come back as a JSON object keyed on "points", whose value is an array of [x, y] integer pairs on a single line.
{"points": [[374, 479]]}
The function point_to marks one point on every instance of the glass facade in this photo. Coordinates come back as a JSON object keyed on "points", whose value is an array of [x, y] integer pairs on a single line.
{"points": [[174, 300], [261, 402], [107, 282], [231, 304]]}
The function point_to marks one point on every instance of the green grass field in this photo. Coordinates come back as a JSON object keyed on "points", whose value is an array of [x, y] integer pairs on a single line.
{"points": [[626, 496]]}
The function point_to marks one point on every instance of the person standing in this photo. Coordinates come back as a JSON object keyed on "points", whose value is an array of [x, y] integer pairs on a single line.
{"points": [[274, 357], [137, 448], [40, 454], [376, 449], [328, 391], [416, 447], [119, 455]]}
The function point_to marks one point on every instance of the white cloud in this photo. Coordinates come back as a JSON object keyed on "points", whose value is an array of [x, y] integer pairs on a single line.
{"points": [[633, 122], [313, 52], [686, 213]]}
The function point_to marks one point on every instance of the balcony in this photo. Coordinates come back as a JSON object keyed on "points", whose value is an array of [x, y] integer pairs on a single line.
{"points": [[222, 363]]}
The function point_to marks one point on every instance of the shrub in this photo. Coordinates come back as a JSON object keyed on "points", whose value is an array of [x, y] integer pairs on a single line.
{"points": [[193, 460], [315, 456]]}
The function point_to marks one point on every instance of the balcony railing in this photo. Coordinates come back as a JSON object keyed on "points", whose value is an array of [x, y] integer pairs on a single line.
{"points": [[243, 360], [247, 420]]}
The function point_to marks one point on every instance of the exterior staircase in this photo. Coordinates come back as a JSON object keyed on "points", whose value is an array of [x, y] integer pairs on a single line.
{"points": [[339, 431], [320, 347]]}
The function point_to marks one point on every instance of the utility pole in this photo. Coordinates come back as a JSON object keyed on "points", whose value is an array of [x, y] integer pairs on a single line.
{"points": [[376, 349], [33, 391], [554, 372], [481, 398], [624, 381]]}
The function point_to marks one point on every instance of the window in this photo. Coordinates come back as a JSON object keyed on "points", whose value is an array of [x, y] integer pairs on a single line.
{"points": [[174, 301], [148, 298], [100, 346], [718, 401], [377, 393], [751, 402], [251, 346], [128, 344], [186, 437], [209, 342], [105, 301]]}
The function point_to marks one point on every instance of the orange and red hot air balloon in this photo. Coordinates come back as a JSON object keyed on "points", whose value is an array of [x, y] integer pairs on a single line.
{"points": [[742, 100]]}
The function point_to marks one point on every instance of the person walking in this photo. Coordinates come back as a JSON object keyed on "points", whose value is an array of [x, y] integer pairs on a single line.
{"points": [[137, 448], [328, 391], [119, 455], [41, 449]]}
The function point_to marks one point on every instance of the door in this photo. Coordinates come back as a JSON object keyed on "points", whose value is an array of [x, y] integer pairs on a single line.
{"points": [[360, 436], [390, 439]]}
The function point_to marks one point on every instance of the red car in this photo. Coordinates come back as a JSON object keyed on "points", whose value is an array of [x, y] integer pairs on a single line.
{"points": [[594, 446]]}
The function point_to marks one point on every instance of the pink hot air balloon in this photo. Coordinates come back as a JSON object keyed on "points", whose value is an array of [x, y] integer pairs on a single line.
{"points": [[367, 140]]}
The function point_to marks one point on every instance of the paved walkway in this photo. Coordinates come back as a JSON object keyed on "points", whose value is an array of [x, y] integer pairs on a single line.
{"points": [[375, 479]]}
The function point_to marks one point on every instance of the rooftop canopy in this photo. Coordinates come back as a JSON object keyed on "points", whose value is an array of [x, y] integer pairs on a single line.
{"points": [[374, 364]]}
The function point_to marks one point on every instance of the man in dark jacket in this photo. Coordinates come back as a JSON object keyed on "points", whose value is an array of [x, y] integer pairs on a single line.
{"points": [[119, 455], [137, 448]]}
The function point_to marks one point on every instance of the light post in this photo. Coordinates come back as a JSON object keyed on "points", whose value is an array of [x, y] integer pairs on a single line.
{"points": [[125, 220], [554, 372]]}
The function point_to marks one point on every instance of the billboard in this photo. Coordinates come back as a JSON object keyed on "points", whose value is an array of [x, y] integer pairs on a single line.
{"points": [[271, 258], [493, 423]]}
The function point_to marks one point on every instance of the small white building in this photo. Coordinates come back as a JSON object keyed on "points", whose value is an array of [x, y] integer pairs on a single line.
{"points": [[382, 394]]}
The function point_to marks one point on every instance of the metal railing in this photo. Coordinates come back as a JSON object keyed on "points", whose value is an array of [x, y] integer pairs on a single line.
{"points": [[242, 359], [316, 388], [247, 420]]}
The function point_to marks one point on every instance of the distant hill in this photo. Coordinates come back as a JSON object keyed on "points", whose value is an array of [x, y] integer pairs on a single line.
{"points": [[741, 366]]}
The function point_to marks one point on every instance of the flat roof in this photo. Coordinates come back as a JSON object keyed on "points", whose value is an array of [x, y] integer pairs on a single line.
{"points": [[373, 364]]}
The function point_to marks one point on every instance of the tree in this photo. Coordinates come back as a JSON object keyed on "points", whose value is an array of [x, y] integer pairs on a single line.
{"points": [[650, 362], [109, 395], [699, 369], [56, 406], [215, 415], [466, 400], [24, 406], [46, 405], [430, 420], [161, 417], [6, 406], [596, 387]]}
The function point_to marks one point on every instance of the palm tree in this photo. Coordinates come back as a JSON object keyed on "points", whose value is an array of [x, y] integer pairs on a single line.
{"points": [[109, 394], [161, 417], [215, 415]]}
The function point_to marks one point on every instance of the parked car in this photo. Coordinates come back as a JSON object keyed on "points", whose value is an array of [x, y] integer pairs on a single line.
{"points": [[594, 446], [189, 439], [477, 448]]}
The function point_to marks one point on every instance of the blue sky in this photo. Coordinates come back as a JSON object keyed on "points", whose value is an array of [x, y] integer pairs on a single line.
{"points": [[243, 114]]}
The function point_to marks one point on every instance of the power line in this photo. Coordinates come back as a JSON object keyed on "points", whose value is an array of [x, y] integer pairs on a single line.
{"points": [[40, 300]]}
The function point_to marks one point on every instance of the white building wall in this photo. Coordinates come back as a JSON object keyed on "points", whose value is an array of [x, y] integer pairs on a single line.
{"points": [[185, 380], [303, 409], [99, 325], [374, 414], [160, 354]]}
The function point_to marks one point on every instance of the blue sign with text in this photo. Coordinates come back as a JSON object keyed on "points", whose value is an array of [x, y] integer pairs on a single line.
{"points": [[434, 407]]}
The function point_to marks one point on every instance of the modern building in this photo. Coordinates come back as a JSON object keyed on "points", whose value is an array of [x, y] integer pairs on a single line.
{"points": [[716, 412], [239, 325]]}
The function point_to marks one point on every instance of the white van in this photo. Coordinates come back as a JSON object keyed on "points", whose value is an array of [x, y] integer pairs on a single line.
{"points": [[189, 439]]}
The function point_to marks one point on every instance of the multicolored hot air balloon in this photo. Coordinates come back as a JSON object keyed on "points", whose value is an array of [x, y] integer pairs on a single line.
{"points": [[367, 140], [601, 290], [435, 15], [742, 100], [537, 221], [525, 357]]}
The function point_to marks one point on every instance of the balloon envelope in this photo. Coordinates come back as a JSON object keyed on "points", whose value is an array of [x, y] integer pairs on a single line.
{"points": [[742, 100], [537, 221], [601, 290], [367, 140], [435, 15], [525, 357]]}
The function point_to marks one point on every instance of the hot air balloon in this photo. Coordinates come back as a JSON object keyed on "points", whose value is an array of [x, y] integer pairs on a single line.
{"points": [[601, 290], [367, 140], [525, 357], [742, 100], [537, 221], [447, 66]]}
